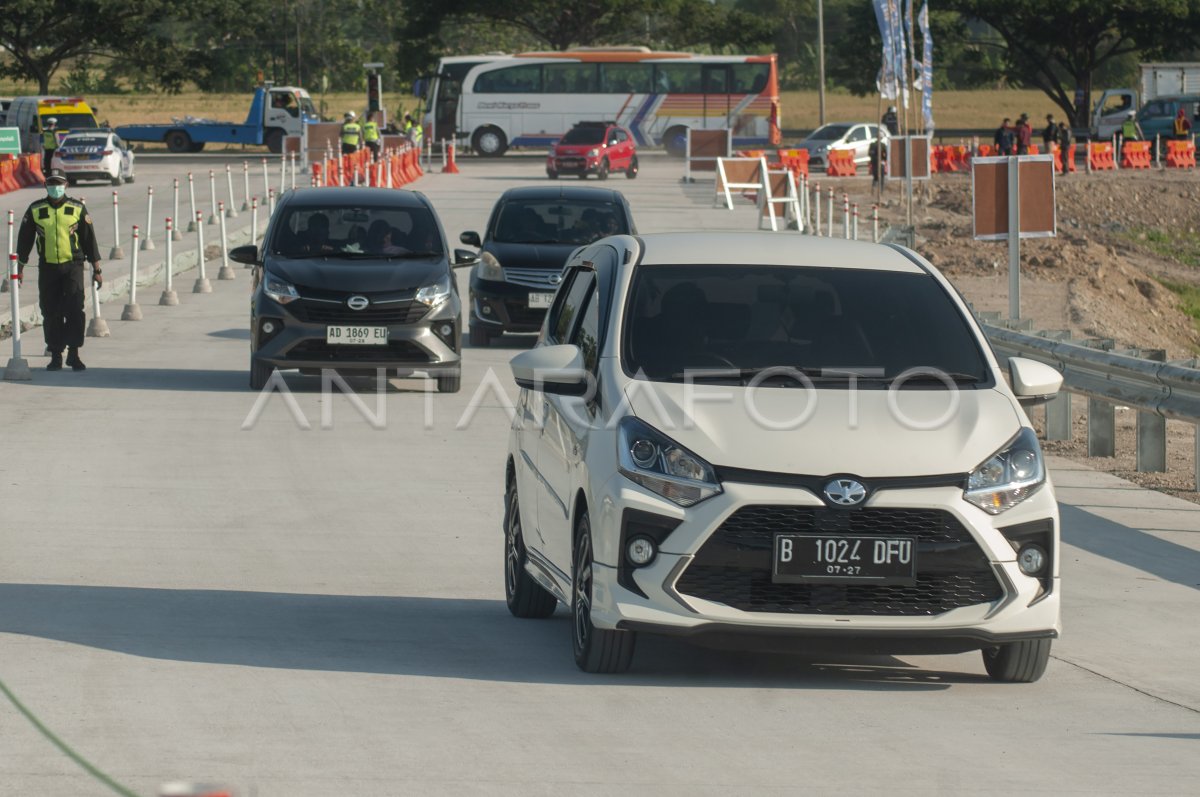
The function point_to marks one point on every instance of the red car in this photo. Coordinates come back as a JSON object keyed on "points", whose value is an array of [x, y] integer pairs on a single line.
{"points": [[597, 148]]}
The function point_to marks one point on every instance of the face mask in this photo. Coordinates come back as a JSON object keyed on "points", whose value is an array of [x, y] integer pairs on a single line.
{"points": [[56, 191]]}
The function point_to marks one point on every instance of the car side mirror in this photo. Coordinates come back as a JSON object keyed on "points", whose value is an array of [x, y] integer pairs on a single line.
{"points": [[247, 254], [464, 258], [1033, 383], [471, 238], [552, 369]]}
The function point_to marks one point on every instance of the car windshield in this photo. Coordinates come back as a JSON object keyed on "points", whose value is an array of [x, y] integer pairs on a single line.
{"points": [[353, 232], [583, 135], [72, 121], [743, 319], [557, 221], [828, 133]]}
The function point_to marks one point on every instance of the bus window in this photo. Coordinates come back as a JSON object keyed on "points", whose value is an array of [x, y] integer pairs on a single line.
{"points": [[570, 78], [716, 78], [524, 79], [677, 78], [750, 78], [627, 78]]}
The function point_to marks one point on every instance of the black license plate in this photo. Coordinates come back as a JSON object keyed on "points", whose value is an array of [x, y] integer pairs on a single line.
{"points": [[570, 162], [833, 559]]}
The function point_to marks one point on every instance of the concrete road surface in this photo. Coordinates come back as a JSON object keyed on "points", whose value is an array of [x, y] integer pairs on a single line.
{"points": [[319, 611]]}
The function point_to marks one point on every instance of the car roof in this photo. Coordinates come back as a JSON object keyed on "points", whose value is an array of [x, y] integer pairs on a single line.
{"points": [[562, 192], [772, 249], [362, 195]]}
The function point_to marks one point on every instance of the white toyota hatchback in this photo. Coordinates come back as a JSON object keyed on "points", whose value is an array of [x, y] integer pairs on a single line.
{"points": [[736, 434]]}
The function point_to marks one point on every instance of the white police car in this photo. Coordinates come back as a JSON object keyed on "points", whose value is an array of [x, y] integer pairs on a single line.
{"points": [[95, 154]]}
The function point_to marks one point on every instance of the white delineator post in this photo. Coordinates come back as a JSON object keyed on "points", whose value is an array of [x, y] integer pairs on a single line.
{"points": [[169, 297], [246, 185], [270, 202], [226, 273], [116, 253], [4, 282], [132, 312], [202, 284], [191, 203], [829, 207], [176, 235], [846, 216], [97, 327], [294, 161], [854, 231], [266, 177], [253, 224], [148, 242], [875, 224], [17, 369], [230, 210], [817, 206], [212, 197]]}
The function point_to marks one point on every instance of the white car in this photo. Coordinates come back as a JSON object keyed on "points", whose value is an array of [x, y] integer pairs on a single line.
{"points": [[94, 155], [753, 434], [842, 135]]}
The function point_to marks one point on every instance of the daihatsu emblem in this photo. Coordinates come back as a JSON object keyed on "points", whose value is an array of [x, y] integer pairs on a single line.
{"points": [[358, 302], [845, 492]]}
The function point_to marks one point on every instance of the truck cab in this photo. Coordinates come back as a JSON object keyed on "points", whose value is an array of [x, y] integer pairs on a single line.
{"points": [[288, 108]]}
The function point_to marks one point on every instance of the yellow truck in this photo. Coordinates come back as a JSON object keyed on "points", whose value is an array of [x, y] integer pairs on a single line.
{"points": [[26, 114]]}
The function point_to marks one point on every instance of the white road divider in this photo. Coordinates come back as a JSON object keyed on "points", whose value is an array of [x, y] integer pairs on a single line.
{"points": [[266, 177], [97, 327], [191, 203], [132, 312], [245, 186], [148, 241], [202, 284], [176, 235], [226, 273], [17, 369], [253, 224], [230, 209], [212, 197], [116, 253], [169, 297], [4, 282]]}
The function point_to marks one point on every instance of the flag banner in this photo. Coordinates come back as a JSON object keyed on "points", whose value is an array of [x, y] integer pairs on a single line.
{"points": [[926, 67], [887, 73]]}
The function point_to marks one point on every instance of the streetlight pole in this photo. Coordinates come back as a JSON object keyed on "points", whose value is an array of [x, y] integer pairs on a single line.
{"points": [[821, 61]]}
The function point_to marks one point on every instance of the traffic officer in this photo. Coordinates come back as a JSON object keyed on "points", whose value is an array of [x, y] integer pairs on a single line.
{"points": [[414, 131], [65, 238], [370, 136], [49, 142], [351, 134]]}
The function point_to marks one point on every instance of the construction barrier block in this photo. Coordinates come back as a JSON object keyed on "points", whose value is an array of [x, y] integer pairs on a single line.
{"points": [[1100, 156], [840, 163], [1181, 155], [987, 151], [795, 161], [1136, 155], [35, 168], [8, 180]]}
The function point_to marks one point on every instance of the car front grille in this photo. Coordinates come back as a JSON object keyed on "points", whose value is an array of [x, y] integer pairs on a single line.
{"points": [[543, 278], [396, 351], [734, 565], [400, 312]]}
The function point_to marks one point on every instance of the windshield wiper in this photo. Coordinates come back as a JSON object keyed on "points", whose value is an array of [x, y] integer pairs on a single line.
{"points": [[928, 377], [412, 255], [746, 374]]}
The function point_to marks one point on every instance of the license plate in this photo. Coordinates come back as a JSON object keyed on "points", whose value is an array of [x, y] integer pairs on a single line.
{"points": [[570, 161], [540, 300], [833, 559], [357, 336]]}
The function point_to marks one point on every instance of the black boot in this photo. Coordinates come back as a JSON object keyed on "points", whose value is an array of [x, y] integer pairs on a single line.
{"points": [[55, 361], [74, 361]]}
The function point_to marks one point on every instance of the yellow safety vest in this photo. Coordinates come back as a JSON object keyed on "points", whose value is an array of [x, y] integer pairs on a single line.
{"points": [[415, 132], [350, 133], [370, 131], [1180, 125], [57, 240], [49, 140]]}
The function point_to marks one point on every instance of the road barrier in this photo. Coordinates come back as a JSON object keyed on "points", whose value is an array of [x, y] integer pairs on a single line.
{"points": [[795, 161], [202, 285], [394, 169], [1136, 155], [1058, 158], [246, 185], [226, 272], [737, 174], [1181, 155], [212, 198], [132, 311], [10, 250], [230, 209], [1100, 157], [191, 203], [840, 163], [702, 149], [175, 233], [148, 241], [17, 369], [778, 188], [116, 253], [169, 297]]}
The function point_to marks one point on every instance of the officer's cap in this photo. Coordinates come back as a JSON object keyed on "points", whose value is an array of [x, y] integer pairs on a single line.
{"points": [[56, 177]]}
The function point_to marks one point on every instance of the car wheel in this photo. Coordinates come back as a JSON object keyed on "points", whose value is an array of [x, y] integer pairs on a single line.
{"points": [[480, 337], [1017, 662], [449, 384], [597, 650], [129, 179], [274, 140], [178, 141], [675, 141], [603, 173], [489, 142], [196, 147], [632, 171], [552, 175], [524, 596], [260, 372]]}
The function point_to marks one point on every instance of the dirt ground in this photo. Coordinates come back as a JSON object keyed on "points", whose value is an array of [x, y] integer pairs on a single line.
{"points": [[1120, 237]]}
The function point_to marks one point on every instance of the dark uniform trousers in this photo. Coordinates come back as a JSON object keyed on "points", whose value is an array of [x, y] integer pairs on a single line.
{"points": [[61, 296]]}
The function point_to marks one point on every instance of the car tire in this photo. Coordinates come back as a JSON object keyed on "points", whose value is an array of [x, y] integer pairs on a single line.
{"points": [[259, 373], [128, 179], [524, 596], [449, 384], [632, 171], [1017, 662], [197, 147], [675, 141], [597, 650], [602, 174], [178, 141], [489, 142], [479, 337], [552, 175]]}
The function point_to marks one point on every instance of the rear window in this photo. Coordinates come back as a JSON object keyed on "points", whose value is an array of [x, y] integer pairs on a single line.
{"points": [[875, 323], [350, 232], [583, 135], [71, 121], [557, 221]]}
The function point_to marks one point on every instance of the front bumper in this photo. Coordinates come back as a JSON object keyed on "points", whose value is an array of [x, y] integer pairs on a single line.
{"points": [[1019, 608], [572, 165], [504, 306]]}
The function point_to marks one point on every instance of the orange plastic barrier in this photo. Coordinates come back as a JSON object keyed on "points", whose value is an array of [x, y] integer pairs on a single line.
{"points": [[1034, 149], [8, 180], [1058, 158], [985, 151], [840, 163], [1100, 157], [795, 161], [1136, 155], [1181, 155], [945, 159], [35, 168]]}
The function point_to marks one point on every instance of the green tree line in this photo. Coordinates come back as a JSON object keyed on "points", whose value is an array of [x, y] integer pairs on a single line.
{"points": [[1060, 47]]}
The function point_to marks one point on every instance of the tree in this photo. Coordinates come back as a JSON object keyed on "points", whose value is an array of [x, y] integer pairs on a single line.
{"points": [[1058, 47], [41, 34]]}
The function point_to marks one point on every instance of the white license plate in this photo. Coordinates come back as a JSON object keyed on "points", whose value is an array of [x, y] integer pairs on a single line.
{"points": [[357, 336], [541, 300]]}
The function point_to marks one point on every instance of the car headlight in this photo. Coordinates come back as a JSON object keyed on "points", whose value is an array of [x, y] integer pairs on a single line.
{"points": [[593, 153], [1009, 476], [489, 268], [280, 291], [435, 293], [655, 461]]}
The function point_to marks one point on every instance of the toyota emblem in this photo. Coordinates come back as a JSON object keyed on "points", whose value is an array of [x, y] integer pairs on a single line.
{"points": [[845, 492], [358, 302]]}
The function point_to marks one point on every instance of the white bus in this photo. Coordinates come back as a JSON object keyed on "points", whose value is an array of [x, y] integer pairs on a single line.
{"points": [[494, 102]]}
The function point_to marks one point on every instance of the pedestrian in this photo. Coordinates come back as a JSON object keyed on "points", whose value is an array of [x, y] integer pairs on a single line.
{"points": [[878, 159], [1183, 125], [891, 121], [1130, 131], [1064, 146], [49, 142], [1024, 134], [1050, 134], [370, 136], [351, 134], [413, 130], [1004, 138], [65, 238]]}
